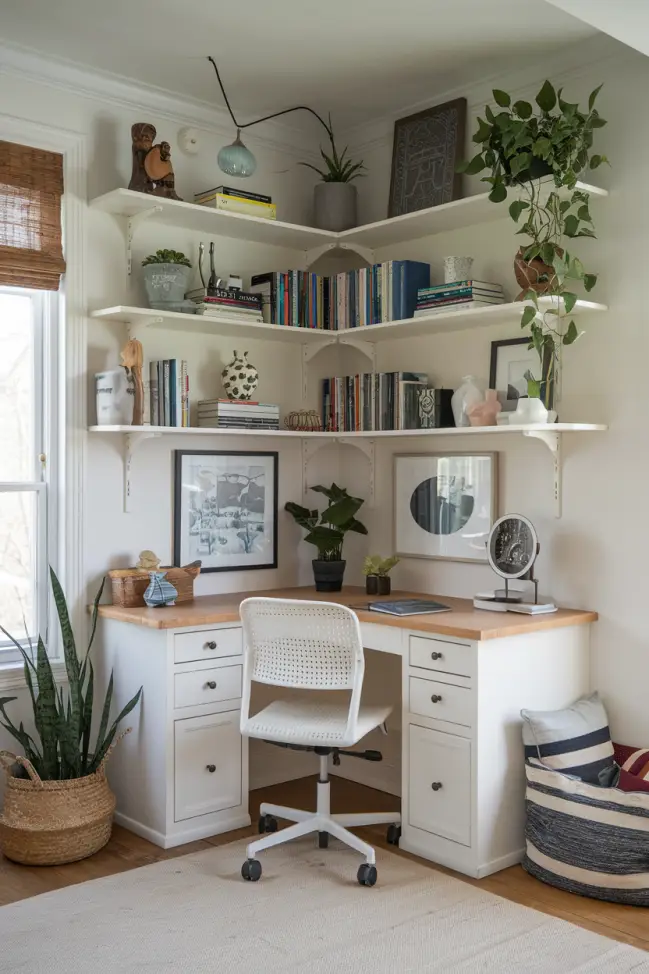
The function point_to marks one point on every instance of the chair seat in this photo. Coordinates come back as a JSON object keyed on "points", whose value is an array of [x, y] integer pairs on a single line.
{"points": [[316, 724]]}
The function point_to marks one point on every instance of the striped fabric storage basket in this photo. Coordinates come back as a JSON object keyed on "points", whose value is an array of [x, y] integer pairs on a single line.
{"points": [[587, 839]]}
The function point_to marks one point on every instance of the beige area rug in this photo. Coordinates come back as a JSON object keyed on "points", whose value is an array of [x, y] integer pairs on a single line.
{"points": [[195, 914]]}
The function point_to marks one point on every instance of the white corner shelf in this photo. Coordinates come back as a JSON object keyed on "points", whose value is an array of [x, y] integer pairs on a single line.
{"points": [[549, 433], [443, 321]]}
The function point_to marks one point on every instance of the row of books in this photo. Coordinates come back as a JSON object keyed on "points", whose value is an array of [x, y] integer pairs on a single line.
{"points": [[352, 299], [372, 401], [238, 414], [169, 393], [238, 201], [460, 294]]}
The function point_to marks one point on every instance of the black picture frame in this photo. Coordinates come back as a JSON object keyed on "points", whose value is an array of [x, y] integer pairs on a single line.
{"points": [[210, 559], [510, 403], [493, 362], [426, 149]]}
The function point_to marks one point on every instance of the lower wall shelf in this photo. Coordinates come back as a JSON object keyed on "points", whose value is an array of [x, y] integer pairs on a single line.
{"points": [[549, 433]]}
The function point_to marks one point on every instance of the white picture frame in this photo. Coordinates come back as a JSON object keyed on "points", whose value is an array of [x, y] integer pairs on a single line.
{"points": [[444, 505]]}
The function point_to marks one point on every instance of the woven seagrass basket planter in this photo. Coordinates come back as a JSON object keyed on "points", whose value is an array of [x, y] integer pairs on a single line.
{"points": [[46, 823]]}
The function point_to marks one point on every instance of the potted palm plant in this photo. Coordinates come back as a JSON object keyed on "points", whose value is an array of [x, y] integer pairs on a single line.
{"points": [[518, 148], [335, 196], [58, 806], [377, 574], [326, 530], [167, 275]]}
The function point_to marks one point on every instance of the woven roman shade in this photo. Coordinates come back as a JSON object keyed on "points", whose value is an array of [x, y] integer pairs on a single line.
{"points": [[31, 186]]}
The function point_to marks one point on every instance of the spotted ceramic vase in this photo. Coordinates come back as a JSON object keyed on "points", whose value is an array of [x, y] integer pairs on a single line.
{"points": [[240, 378], [160, 591]]}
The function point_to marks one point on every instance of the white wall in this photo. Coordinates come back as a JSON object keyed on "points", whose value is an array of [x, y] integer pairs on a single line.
{"points": [[594, 557]]}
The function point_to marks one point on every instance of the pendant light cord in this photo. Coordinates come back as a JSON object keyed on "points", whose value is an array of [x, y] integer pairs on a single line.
{"points": [[265, 118]]}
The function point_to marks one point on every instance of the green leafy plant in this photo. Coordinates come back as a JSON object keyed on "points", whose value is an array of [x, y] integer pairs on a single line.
{"points": [[375, 565], [338, 168], [64, 722], [518, 147], [167, 257], [327, 529]]}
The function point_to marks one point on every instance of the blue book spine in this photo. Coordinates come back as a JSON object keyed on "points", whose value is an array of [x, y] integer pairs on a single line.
{"points": [[415, 274], [397, 279], [173, 390]]}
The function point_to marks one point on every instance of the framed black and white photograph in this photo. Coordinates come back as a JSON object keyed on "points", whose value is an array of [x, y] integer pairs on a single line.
{"points": [[426, 150], [510, 360], [444, 505], [225, 509]]}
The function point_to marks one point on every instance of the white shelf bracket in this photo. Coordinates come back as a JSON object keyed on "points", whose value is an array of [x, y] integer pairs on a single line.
{"points": [[309, 449], [553, 443], [367, 348], [131, 443], [132, 326], [367, 447], [131, 226], [309, 351], [316, 253]]}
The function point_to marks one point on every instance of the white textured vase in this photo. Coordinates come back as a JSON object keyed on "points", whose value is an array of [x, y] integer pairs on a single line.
{"points": [[529, 412], [457, 269], [240, 377], [115, 398], [466, 395]]}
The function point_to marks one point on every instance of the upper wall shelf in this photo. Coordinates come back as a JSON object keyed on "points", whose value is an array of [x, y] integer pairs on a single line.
{"points": [[423, 223]]}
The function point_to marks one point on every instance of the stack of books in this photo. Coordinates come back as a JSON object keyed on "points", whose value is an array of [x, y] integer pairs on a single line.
{"points": [[238, 414], [169, 393], [461, 294], [383, 292], [230, 303], [372, 401], [238, 201]]}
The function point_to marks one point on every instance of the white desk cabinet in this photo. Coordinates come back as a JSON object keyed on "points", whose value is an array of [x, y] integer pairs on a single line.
{"points": [[182, 773]]}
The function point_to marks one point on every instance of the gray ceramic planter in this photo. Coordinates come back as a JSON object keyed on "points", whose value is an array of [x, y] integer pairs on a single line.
{"points": [[166, 282], [334, 206]]}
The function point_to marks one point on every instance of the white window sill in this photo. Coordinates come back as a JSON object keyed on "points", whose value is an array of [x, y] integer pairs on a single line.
{"points": [[12, 675]]}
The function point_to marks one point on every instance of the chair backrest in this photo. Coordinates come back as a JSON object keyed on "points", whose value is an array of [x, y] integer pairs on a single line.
{"points": [[306, 645]]}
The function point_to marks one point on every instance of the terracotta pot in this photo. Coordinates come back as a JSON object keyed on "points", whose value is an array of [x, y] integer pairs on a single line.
{"points": [[534, 275]]}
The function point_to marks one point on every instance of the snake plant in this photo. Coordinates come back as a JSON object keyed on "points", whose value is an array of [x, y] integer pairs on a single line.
{"points": [[63, 721]]}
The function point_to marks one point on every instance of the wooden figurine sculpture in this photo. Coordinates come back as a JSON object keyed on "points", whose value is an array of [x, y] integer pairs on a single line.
{"points": [[152, 170], [132, 360]]}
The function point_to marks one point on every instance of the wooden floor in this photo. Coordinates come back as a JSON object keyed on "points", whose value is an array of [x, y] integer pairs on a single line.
{"points": [[127, 851]]}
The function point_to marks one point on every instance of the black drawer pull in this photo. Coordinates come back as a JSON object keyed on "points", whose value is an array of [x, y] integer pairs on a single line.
{"points": [[436, 656], [210, 645], [211, 768], [210, 685], [436, 785], [436, 698]]}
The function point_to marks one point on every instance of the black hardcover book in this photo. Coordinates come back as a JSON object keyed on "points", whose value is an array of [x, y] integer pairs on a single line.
{"points": [[244, 194]]}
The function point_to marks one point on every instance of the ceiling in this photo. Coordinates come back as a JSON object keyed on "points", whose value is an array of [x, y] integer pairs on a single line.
{"points": [[359, 59]]}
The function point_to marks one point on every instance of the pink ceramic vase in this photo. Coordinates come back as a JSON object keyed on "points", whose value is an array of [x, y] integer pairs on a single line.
{"points": [[485, 413]]}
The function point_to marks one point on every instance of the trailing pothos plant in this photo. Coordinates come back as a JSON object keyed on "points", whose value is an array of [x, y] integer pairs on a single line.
{"points": [[338, 168], [63, 720], [327, 529], [518, 148]]}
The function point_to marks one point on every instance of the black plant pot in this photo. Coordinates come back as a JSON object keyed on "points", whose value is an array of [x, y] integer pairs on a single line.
{"points": [[385, 585], [537, 169], [328, 575], [372, 584]]}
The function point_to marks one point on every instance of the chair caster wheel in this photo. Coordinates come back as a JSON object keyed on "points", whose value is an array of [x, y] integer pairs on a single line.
{"points": [[267, 824], [366, 874], [323, 840], [251, 870], [394, 834]]}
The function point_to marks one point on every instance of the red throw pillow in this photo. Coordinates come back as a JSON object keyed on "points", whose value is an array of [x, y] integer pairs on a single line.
{"points": [[631, 782], [633, 760]]}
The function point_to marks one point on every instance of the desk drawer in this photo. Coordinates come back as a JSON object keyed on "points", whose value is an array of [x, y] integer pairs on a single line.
{"points": [[436, 654], [441, 701], [208, 644], [207, 686], [440, 784], [207, 774]]}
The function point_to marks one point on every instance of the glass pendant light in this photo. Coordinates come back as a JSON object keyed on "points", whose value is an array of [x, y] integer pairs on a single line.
{"points": [[235, 159]]}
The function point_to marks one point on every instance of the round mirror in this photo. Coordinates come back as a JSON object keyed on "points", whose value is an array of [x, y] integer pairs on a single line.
{"points": [[512, 546]]}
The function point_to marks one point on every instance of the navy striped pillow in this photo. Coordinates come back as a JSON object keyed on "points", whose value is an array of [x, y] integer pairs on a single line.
{"points": [[575, 741]]}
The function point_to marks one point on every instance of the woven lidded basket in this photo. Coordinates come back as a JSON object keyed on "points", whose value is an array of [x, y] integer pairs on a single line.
{"points": [[130, 584], [46, 823]]}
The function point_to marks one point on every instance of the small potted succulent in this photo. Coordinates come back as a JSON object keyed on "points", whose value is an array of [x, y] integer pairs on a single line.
{"points": [[334, 198], [167, 275], [377, 577], [326, 530]]}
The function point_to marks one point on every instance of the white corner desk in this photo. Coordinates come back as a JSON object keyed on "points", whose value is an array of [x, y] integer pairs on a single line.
{"points": [[182, 774]]}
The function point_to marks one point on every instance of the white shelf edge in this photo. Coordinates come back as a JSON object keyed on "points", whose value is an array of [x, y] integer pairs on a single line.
{"points": [[368, 434]]}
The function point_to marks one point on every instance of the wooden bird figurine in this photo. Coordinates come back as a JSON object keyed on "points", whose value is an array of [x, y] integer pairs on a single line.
{"points": [[132, 360], [152, 170]]}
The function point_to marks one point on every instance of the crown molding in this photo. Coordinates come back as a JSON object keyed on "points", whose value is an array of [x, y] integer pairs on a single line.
{"points": [[101, 86]]}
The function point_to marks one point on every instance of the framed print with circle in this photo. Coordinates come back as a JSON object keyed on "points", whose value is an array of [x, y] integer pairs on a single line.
{"points": [[225, 509], [444, 505]]}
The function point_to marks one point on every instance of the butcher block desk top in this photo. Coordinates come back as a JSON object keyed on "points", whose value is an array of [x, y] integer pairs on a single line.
{"points": [[463, 621]]}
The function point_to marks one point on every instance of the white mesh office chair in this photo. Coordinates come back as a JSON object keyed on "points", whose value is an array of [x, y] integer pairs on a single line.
{"points": [[309, 646]]}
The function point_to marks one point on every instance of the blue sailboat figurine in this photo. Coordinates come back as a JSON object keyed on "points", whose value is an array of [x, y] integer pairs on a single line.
{"points": [[160, 591]]}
